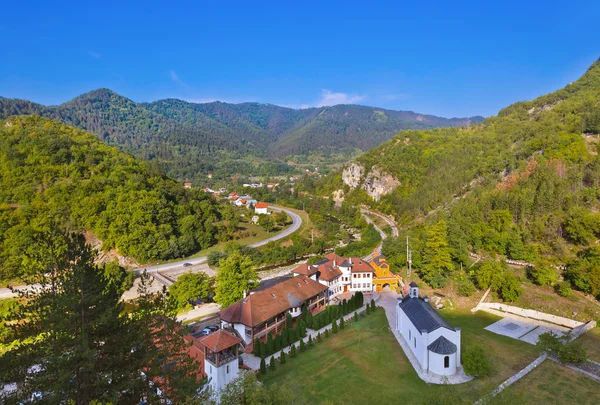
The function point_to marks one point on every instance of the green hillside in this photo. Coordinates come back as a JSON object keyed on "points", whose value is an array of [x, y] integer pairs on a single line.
{"points": [[191, 140], [524, 184], [52, 175]]}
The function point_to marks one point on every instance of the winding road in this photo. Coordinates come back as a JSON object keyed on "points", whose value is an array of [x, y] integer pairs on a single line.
{"points": [[296, 223], [383, 234]]}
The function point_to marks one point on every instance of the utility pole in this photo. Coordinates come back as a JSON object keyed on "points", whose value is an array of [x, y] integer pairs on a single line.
{"points": [[408, 257]]}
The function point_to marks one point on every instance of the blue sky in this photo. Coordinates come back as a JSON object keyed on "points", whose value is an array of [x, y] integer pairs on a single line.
{"points": [[448, 58]]}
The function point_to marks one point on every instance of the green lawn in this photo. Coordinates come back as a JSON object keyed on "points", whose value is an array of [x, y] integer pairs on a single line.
{"points": [[591, 341], [552, 383], [364, 364]]}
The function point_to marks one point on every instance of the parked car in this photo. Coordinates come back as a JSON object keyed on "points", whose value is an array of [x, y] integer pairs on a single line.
{"points": [[187, 264], [213, 328]]}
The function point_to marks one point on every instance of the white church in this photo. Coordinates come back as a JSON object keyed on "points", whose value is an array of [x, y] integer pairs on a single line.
{"points": [[435, 343]]}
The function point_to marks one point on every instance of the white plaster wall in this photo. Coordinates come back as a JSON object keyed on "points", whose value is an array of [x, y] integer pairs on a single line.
{"points": [[436, 364], [242, 331], [405, 325], [219, 377]]}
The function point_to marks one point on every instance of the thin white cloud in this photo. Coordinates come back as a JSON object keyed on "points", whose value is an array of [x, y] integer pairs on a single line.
{"points": [[329, 98], [96, 55], [175, 77]]}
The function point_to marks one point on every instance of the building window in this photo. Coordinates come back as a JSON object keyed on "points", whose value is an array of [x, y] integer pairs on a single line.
{"points": [[415, 341], [248, 331], [228, 369], [446, 361], [409, 335]]}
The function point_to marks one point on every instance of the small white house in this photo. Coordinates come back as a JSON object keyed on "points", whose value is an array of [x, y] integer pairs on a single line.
{"points": [[261, 208], [435, 343]]}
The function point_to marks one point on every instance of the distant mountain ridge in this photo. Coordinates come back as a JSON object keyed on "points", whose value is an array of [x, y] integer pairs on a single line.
{"points": [[188, 138]]}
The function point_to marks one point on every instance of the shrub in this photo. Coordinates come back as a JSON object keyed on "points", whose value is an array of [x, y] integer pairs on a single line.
{"points": [[263, 366], [561, 347], [564, 289], [284, 339], [543, 274], [319, 337], [355, 316], [334, 328], [466, 288], [272, 363], [293, 351], [277, 343], [368, 310], [310, 341], [341, 323], [373, 305], [309, 320], [302, 345], [511, 288], [326, 333], [475, 362]]}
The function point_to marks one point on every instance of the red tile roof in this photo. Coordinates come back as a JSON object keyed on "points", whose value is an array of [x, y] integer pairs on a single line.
{"points": [[328, 272], [261, 205], [219, 340], [360, 266], [265, 304], [305, 270]]}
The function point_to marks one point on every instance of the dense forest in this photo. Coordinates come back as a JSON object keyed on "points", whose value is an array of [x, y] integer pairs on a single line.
{"points": [[55, 176], [523, 185], [191, 140]]}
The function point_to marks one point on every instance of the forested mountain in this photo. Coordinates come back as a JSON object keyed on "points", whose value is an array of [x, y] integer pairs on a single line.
{"points": [[524, 184], [55, 176], [190, 140]]}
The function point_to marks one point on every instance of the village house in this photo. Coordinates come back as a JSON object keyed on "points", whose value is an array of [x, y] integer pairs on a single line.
{"points": [[187, 183], [383, 275], [261, 208], [264, 309], [432, 340], [339, 274]]}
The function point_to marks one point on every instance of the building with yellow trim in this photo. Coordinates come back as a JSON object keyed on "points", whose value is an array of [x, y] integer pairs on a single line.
{"points": [[383, 276]]}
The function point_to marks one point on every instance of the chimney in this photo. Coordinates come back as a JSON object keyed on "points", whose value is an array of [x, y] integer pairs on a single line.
{"points": [[350, 260], [426, 299], [334, 263]]}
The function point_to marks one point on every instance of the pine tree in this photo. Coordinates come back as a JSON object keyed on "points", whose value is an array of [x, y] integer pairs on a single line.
{"points": [[297, 334], [288, 320], [326, 333], [293, 351], [284, 339], [256, 347], [368, 310], [373, 305], [277, 343], [437, 258], [263, 349], [310, 341], [341, 323], [302, 346], [272, 363], [309, 320], [355, 316], [334, 328], [291, 336], [319, 337], [269, 348], [282, 357], [263, 366]]}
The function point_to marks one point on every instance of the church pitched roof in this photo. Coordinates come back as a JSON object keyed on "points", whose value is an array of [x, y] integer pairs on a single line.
{"points": [[422, 315], [442, 346], [413, 284]]}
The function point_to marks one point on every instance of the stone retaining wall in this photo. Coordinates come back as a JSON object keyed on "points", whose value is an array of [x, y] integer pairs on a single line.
{"points": [[530, 313]]}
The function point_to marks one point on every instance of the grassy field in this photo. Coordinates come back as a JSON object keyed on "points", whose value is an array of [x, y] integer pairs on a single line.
{"points": [[591, 341], [364, 364], [552, 383]]}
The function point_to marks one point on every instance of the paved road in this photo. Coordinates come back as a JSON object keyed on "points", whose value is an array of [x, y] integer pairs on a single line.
{"points": [[296, 223], [383, 234]]}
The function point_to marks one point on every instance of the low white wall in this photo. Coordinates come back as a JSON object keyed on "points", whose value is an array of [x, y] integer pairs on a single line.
{"points": [[530, 313]]}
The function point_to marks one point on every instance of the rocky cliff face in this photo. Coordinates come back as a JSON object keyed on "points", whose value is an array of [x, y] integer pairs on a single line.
{"points": [[352, 175], [377, 183]]}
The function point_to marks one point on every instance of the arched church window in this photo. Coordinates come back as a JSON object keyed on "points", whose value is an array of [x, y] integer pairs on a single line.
{"points": [[446, 361]]}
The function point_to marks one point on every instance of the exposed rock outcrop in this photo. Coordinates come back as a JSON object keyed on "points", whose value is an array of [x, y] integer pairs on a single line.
{"points": [[338, 197], [379, 183], [352, 175]]}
